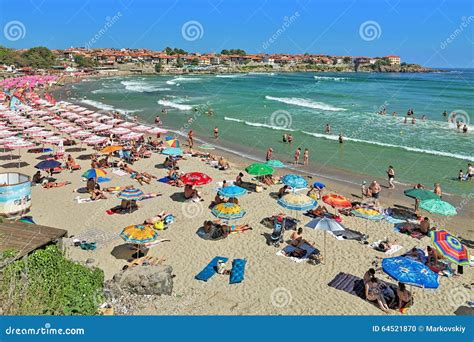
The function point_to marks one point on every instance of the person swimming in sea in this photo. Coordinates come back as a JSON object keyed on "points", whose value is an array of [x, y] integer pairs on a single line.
{"points": [[464, 129], [340, 139]]}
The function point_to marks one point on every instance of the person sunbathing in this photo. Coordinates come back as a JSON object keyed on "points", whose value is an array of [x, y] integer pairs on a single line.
{"points": [[239, 179], [297, 238], [103, 163], [97, 194], [142, 178], [319, 211], [174, 175], [283, 191], [49, 185], [267, 180], [217, 200], [217, 229], [115, 188], [373, 292], [191, 193], [128, 169], [425, 226], [405, 298], [223, 164], [385, 245], [157, 218], [71, 163]]}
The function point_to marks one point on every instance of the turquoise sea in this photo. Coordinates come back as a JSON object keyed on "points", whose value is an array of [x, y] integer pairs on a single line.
{"points": [[253, 111]]}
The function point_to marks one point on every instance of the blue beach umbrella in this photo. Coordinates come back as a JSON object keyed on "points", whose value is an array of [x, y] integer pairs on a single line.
{"points": [[131, 194], [297, 202], [232, 191], [275, 163], [47, 164], [103, 179], [410, 272], [319, 185], [172, 151], [228, 211], [294, 181]]}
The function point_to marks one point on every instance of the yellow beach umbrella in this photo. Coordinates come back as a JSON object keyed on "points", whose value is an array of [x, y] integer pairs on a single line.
{"points": [[111, 149]]}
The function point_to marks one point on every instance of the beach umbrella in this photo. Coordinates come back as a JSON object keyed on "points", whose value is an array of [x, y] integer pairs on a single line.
{"points": [[127, 124], [420, 194], [4, 134], [141, 128], [336, 201], [139, 235], [130, 194], [196, 178], [450, 247], [327, 225], [47, 164], [94, 173], [411, 272], [81, 134], [368, 215], [319, 185], [232, 191], [131, 136], [111, 149], [95, 140], [101, 128], [258, 169], [172, 151], [171, 141], [275, 163], [120, 131], [294, 181], [18, 145], [299, 202], [228, 211], [53, 140], [156, 130], [437, 206]]}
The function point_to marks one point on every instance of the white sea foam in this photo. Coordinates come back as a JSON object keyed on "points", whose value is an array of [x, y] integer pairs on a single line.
{"points": [[257, 124], [329, 78], [230, 75], [305, 103], [106, 107], [142, 87], [175, 105], [176, 80]]}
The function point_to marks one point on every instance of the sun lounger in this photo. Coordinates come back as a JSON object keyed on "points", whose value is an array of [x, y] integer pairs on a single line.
{"points": [[210, 269], [288, 249], [238, 271]]}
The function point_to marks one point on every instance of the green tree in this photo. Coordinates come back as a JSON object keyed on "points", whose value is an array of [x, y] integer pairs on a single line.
{"points": [[195, 61], [39, 57], [158, 67], [84, 62]]}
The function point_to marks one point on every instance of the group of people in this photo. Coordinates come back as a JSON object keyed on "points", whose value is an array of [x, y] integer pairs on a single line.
{"points": [[468, 175]]}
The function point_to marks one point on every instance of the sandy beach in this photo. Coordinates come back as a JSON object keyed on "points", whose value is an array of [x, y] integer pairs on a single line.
{"points": [[273, 285]]}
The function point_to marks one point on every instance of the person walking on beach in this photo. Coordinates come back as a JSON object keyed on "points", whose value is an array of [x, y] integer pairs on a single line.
{"points": [[375, 190], [327, 130], [391, 177], [190, 138], [306, 157], [216, 132], [269, 154], [297, 156]]}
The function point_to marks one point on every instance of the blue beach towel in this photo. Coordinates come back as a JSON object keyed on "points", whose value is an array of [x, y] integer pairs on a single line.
{"points": [[208, 271], [164, 180], [238, 271]]}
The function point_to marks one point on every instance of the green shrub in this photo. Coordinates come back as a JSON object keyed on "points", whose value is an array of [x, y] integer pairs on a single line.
{"points": [[46, 283]]}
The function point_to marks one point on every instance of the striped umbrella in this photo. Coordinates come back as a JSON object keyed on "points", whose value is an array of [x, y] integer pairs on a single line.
{"points": [[94, 173], [450, 247], [228, 211], [139, 234], [294, 201], [130, 194], [368, 215]]}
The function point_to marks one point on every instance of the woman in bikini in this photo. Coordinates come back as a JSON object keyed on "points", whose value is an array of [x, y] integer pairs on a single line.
{"points": [[373, 293]]}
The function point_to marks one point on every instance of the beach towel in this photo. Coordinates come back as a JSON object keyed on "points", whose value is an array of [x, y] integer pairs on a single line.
{"points": [[394, 220], [288, 249], [83, 200], [148, 196], [415, 235], [349, 283], [393, 249], [164, 180], [221, 184], [210, 269], [238, 271], [119, 172]]}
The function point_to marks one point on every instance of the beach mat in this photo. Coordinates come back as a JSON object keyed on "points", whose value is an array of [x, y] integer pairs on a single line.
{"points": [[394, 249], [288, 249], [238, 271], [164, 180], [210, 269], [349, 283]]}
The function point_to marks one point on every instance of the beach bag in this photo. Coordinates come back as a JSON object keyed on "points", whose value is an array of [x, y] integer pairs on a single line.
{"points": [[169, 219]]}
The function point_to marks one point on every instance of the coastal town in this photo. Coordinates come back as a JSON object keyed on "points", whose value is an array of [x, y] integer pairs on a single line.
{"points": [[175, 60]]}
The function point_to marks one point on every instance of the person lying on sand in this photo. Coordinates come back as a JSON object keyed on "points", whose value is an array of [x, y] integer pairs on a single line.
{"points": [[385, 245], [49, 185], [157, 218], [218, 230], [270, 180], [128, 169], [319, 211], [297, 238], [221, 268], [283, 191], [97, 194]]}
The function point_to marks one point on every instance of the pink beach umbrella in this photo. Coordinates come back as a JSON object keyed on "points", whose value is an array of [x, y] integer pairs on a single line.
{"points": [[141, 128], [54, 122], [4, 134], [131, 136], [33, 129], [79, 109], [113, 121], [62, 125], [83, 120], [102, 128], [127, 124], [120, 131], [81, 134], [156, 130], [70, 129], [95, 140], [18, 145], [91, 124], [53, 140]]}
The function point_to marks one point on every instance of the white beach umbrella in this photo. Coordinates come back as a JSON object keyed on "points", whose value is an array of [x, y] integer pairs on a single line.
{"points": [[54, 140], [33, 129], [19, 145], [120, 131], [131, 136], [70, 129], [141, 128], [157, 130], [81, 134], [95, 140], [127, 124], [102, 128]]}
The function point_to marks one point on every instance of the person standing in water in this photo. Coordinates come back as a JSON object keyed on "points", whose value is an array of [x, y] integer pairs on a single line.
{"points": [[340, 139], [290, 139], [464, 129], [391, 177], [297, 156], [216, 132], [437, 190], [306, 157], [327, 130]]}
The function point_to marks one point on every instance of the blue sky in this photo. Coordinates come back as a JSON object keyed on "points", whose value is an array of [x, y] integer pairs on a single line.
{"points": [[416, 30]]}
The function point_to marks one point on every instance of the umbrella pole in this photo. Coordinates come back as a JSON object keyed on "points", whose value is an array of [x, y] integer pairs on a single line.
{"points": [[324, 256]]}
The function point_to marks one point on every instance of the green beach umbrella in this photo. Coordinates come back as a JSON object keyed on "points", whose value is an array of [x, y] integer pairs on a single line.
{"points": [[258, 169], [437, 206], [420, 194], [275, 163]]}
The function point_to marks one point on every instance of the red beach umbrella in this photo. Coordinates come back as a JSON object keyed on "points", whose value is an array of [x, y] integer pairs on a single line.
{"points": [[196, 178], [337, 201]]}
